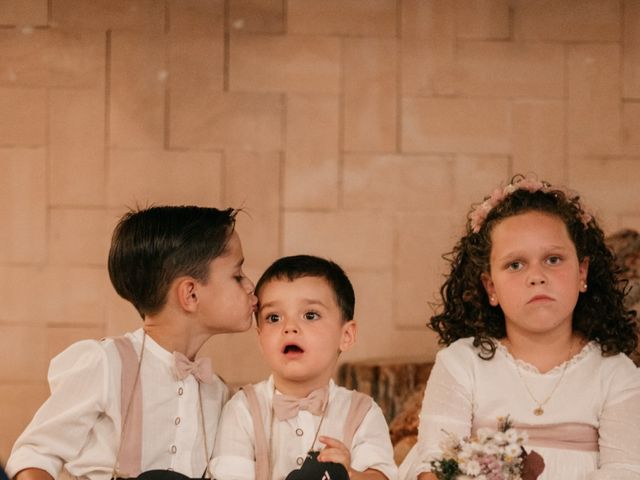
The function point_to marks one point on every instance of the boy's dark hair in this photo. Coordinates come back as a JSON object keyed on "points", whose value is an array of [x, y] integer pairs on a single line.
{"points": [[298, 266], [152, 247], [599, 314]]}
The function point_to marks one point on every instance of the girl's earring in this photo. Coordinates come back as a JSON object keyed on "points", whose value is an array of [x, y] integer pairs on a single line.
{"points": [[584, 287], [493, 301]]}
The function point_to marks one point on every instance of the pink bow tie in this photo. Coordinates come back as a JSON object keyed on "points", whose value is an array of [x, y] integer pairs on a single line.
{"points": [[200, 369], [285, 407]]}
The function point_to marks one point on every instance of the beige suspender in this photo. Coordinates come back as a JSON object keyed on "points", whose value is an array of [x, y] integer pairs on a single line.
{"points": [[263, 467], [360, 405], [129, 456], [130, 449], [358, 409]]}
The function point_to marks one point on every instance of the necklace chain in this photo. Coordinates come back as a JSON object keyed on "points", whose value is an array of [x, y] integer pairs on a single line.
{"points": [[315, 437], [539, 410], [207, 455]]}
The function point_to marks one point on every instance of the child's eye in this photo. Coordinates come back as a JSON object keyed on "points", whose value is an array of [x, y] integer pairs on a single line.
{"points": [[272, 318], [554, 260], [311, 316], [514, 266]]}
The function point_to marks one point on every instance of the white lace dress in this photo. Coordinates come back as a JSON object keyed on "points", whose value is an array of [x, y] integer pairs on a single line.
{"points": [[597, 396]]}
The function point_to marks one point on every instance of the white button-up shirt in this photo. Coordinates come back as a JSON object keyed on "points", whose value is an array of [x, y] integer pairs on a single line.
{"points": [[79, 424], [290, 440]]}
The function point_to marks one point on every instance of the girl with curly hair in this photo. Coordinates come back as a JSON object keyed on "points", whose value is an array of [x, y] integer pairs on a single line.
{"points": [[533, 319]]}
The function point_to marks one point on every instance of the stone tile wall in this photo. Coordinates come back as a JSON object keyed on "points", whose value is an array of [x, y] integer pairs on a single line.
{"points": [[356, 129]]}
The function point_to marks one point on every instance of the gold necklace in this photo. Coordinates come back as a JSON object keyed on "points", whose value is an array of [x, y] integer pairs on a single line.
{"points": [[539, 410]]}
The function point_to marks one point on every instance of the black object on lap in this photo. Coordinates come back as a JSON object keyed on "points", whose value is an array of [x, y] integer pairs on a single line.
{"points": [[312, 469], [159, 475]]}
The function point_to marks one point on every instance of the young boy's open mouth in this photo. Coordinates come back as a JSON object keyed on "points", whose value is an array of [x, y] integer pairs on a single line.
{"points": [[292, 348]]}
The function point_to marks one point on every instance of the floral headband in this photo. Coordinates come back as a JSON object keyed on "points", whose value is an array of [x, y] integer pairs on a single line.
{"points": [[479, 213]]}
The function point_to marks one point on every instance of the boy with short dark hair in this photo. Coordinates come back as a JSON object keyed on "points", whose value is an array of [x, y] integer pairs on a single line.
{"points": [[130, 404], [268, 430]]}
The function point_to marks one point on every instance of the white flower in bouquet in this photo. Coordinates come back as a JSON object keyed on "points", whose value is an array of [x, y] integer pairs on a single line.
{"points": [[491, 449], [512, 450], [490, 455], [483, 434], [472, 467]]}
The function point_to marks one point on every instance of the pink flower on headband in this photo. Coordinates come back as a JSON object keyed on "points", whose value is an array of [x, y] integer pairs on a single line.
{"points": [[531, 184], [585, 218]]}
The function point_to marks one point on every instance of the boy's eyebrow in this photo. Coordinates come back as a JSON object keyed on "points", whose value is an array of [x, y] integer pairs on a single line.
{"points": [[313, 301], [264, 305], [307, 302]]}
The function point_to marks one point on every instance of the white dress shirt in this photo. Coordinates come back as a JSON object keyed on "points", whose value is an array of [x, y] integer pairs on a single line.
{"points": [[290, 440], [78, 426], [464, 392]]}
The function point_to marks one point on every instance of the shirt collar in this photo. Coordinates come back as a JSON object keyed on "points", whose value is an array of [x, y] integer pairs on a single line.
{"points": [[156, 350], [272, 389]]}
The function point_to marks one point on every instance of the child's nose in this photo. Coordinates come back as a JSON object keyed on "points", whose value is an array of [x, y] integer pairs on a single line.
{"points": [[536, 275], [537, 278], [290, 326]]}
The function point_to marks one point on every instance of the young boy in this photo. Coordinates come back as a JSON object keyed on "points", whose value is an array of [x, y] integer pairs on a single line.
{"points": [[126, 405], [304, 322]]}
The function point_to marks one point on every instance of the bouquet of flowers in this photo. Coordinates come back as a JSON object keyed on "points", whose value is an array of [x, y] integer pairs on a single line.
{"points": [[490, 455]]}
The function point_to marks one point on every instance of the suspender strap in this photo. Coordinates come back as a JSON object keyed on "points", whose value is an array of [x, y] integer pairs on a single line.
{"points": [[263, 468], [360, 406], [130, 450], [358, 409]]}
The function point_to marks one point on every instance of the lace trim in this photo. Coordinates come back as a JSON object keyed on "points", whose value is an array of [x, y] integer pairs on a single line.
{"points": [[532, 368]]}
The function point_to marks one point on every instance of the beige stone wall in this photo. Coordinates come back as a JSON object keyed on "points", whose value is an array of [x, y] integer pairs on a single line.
{"points": [[360, 130]]}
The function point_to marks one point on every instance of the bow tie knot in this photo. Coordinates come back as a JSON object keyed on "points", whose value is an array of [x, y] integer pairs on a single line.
{"points": [[285, 406], [200, 368]]}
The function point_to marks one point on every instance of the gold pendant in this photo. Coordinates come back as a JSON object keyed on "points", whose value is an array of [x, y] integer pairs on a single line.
{"points": [[538, 411]]}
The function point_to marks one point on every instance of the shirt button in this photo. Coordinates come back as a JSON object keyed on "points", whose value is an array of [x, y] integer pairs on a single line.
{"points": [[174, 449], [299, 460], [180, 391], [177, 421], [299, 432]]}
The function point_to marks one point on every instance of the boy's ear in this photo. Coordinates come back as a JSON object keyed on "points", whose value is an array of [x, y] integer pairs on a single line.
{"points": [[187, 293], [349, 331], [489, 288]]}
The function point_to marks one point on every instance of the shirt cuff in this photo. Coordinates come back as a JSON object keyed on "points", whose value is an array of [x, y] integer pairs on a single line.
{"points": [[231, 467], [27, 458], [369, 457]]}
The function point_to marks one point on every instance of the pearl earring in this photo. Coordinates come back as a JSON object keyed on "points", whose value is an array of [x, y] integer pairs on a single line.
{"points": [[584, 287]]}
